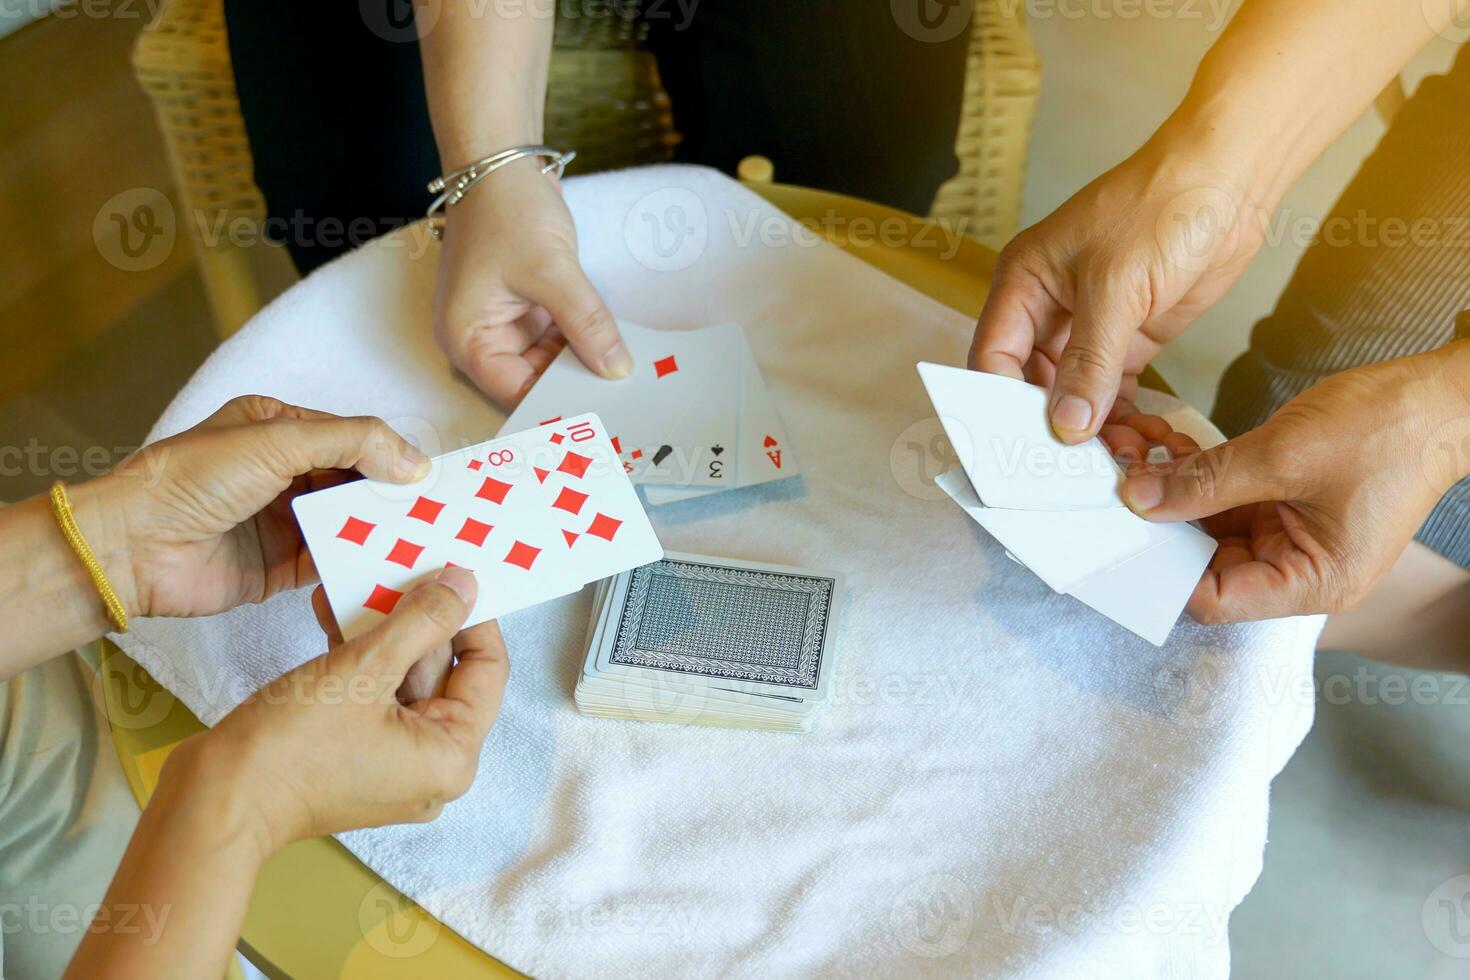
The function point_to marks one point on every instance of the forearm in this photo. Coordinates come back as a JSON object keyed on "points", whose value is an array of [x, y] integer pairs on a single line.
{"points": [[47, 600], [1287, 77], [485, 72], [189, 871]]}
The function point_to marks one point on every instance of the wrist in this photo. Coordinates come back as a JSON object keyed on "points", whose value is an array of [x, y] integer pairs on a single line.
{"points": [[1217, 153], [1446, 373], [459, 150], [204, 794], [101, 517]]}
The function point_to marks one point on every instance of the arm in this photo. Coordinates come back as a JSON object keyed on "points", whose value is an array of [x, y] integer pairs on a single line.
{"points": [[293, 763], [1313, 508], [1084, 299], [47, 599], [189, 526], [511, 291]]}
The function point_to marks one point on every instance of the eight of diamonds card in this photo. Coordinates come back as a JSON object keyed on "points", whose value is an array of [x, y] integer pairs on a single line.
{"points": [[535, 515]]}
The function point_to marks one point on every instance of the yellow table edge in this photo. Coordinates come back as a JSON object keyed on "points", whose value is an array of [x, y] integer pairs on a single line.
{"points": [[295, 926]]}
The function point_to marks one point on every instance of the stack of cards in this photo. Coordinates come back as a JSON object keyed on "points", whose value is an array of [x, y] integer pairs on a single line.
{"points": [[693, 418], [536, 515], [711, 641], [1056, 508]]}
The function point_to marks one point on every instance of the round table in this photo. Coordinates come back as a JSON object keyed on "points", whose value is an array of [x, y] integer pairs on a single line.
{"points": [[316, 910]]}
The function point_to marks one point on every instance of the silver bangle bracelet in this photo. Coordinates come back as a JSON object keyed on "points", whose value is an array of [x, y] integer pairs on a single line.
{"points": [[452, 187]]}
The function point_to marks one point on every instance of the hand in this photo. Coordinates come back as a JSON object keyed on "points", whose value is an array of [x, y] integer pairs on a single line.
{"points": [[204, 518], [1081, 302], [1312, 508], [329, 747], [511, 292]]}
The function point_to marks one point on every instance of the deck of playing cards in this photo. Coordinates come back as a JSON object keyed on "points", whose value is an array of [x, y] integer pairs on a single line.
{"points": [[1056, 508], [535, 515], [693, 640], [693, 418]]}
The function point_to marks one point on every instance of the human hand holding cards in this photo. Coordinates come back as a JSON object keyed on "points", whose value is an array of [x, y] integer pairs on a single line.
{"points": [[1056, 508], [535, 515], [694, 416]]}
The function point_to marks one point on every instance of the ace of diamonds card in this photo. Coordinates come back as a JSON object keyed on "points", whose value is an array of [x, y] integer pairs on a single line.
{"points": [[535, 515]]}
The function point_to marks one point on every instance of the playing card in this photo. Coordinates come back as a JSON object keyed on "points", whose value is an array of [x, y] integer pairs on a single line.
{"points": [[766, 452], [1140, 577], [719, 623], [1146, 593], [1000, 432], [1062, 547], [535, 515], [673, 420]]}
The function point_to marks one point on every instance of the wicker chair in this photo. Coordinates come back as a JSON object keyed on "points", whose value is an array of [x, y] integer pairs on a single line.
{"points": [[604, 97]]}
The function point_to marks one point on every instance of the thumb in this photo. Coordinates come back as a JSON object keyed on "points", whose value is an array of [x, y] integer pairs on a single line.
{"points": [[1091, 366], [1230, 475], [578, 310], [425, 619]]}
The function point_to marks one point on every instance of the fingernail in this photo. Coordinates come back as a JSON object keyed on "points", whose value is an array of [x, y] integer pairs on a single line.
{"points": [[461, 581], [617, 362], [1071, 414], [413, 465], [1143, 493]]}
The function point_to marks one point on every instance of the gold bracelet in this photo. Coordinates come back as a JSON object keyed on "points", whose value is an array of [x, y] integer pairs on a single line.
{"points": [[61, 507]]}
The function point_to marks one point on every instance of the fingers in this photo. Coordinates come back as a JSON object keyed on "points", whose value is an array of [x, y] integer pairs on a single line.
{"points": [[1090, 369], [582, 317], [504, 359], [479, 675], [322, 609], [1006, 333], [1126, 443], [424, 620], [1239, 588], [1234, 473], [330, 442], [427, 677]]}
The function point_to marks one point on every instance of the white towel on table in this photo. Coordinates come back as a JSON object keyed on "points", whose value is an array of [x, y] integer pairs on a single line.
{"points": [[1005, 784]]}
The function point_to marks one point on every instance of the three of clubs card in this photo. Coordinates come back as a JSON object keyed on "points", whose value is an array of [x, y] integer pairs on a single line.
{"points": [[694, 417], [694, 640], [535, 515], [1056, 508]]}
